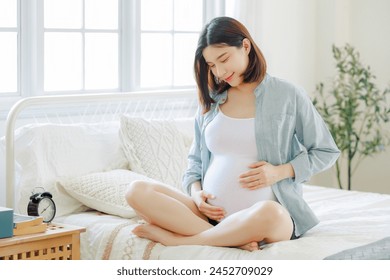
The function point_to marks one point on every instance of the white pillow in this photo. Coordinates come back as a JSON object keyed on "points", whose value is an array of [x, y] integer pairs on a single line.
{"points": [[104, 191], [186, 128], [155, 148], [45, 152]]}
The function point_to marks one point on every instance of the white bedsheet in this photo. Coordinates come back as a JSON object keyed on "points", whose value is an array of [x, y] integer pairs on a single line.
{"points": [[348, 219]]}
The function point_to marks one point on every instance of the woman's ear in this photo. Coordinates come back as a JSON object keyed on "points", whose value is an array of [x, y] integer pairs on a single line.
{"points": [[246, 44]]}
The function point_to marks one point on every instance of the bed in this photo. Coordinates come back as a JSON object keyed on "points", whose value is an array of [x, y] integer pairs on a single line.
{"points": [[86, 149]]}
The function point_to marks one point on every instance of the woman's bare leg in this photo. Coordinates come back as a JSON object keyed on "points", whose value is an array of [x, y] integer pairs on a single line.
{"points": [[167, 208], [268, 221]]}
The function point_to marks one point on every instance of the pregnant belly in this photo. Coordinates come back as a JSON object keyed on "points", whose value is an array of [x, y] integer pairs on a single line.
{"points": [[222, 180]]}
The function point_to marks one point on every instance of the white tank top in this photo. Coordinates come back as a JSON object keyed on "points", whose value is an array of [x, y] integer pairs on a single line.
{"points": [[232, 144]]}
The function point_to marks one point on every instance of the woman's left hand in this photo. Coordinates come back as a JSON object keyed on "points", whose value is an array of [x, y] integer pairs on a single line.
{"points": [[261, 174]]}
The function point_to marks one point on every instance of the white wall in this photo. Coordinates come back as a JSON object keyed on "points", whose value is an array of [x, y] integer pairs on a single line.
{"points": [[365, 25], [370, 34], [296, 38]]}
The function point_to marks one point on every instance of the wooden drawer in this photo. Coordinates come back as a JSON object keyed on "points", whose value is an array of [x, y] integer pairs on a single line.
{"points": [[59, 242]]}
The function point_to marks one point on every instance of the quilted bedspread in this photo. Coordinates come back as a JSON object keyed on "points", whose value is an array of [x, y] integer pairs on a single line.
{"points": [[354, 225]]}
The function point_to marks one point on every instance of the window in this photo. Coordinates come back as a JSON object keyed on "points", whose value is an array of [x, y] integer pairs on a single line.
{"points": [[169, 62], [9, 50], [87, 46], [80, 45]]}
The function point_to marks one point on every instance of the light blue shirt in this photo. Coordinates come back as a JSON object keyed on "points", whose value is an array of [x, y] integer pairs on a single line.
{"points": [[288, 129]]}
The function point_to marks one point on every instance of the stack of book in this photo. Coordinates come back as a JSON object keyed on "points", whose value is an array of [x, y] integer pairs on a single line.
{"points": [[24, 224]]}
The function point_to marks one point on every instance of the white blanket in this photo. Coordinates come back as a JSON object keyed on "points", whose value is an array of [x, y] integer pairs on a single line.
{"points": [[348, 219]]}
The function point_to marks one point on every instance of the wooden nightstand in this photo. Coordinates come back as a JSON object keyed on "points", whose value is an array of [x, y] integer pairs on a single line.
{"points": [[59, 242]]}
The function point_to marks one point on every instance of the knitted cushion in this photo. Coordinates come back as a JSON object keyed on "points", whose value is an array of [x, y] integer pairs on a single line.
{"points": [[103, 191], [155, 148]]}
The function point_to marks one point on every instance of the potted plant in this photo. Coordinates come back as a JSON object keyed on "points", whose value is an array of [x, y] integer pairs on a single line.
{"points": [[355, 111]]}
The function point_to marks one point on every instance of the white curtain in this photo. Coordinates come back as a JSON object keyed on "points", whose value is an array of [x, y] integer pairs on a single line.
{"points": [[285, 31], [249, 13]]}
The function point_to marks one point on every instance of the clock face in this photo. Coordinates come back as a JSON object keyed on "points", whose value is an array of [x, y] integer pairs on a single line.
{"points": [[46, 209]]}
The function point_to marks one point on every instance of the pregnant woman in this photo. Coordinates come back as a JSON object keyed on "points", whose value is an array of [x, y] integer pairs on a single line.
{"points": [[257, 139]]}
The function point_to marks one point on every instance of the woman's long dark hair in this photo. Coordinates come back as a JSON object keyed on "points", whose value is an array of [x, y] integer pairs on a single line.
{"points": [[229, 32]]}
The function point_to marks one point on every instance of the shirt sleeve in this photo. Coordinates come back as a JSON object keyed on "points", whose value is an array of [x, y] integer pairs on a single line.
{"points": [[194, 169], [319, 149]]}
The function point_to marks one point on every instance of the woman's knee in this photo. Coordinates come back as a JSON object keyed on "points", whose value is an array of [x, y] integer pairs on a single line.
{"points": [[269, 212], [136, 192], [276, 221]]}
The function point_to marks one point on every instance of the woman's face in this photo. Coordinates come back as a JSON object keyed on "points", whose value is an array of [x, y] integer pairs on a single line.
{"points": [[228, 63]]}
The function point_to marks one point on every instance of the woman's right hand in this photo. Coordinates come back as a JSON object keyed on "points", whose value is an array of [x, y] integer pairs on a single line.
{"points": [[200, 198]]}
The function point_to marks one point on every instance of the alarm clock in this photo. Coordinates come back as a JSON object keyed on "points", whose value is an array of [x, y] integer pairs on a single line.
{"points": [[42, 204]]}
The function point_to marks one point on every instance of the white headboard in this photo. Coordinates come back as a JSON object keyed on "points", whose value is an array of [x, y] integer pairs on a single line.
{"points": [[90, 108]]}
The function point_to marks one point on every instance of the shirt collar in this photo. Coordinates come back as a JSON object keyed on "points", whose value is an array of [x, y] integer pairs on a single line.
{"points": [[260, 87], [220, 98]]}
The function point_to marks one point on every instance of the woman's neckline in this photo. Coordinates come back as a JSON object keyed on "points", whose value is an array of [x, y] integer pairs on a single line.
{"points": [[234, 118]]}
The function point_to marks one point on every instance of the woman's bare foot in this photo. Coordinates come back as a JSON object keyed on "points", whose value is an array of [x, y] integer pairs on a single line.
{"points": [[157, 234], [168, 238], [252, 246]]}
